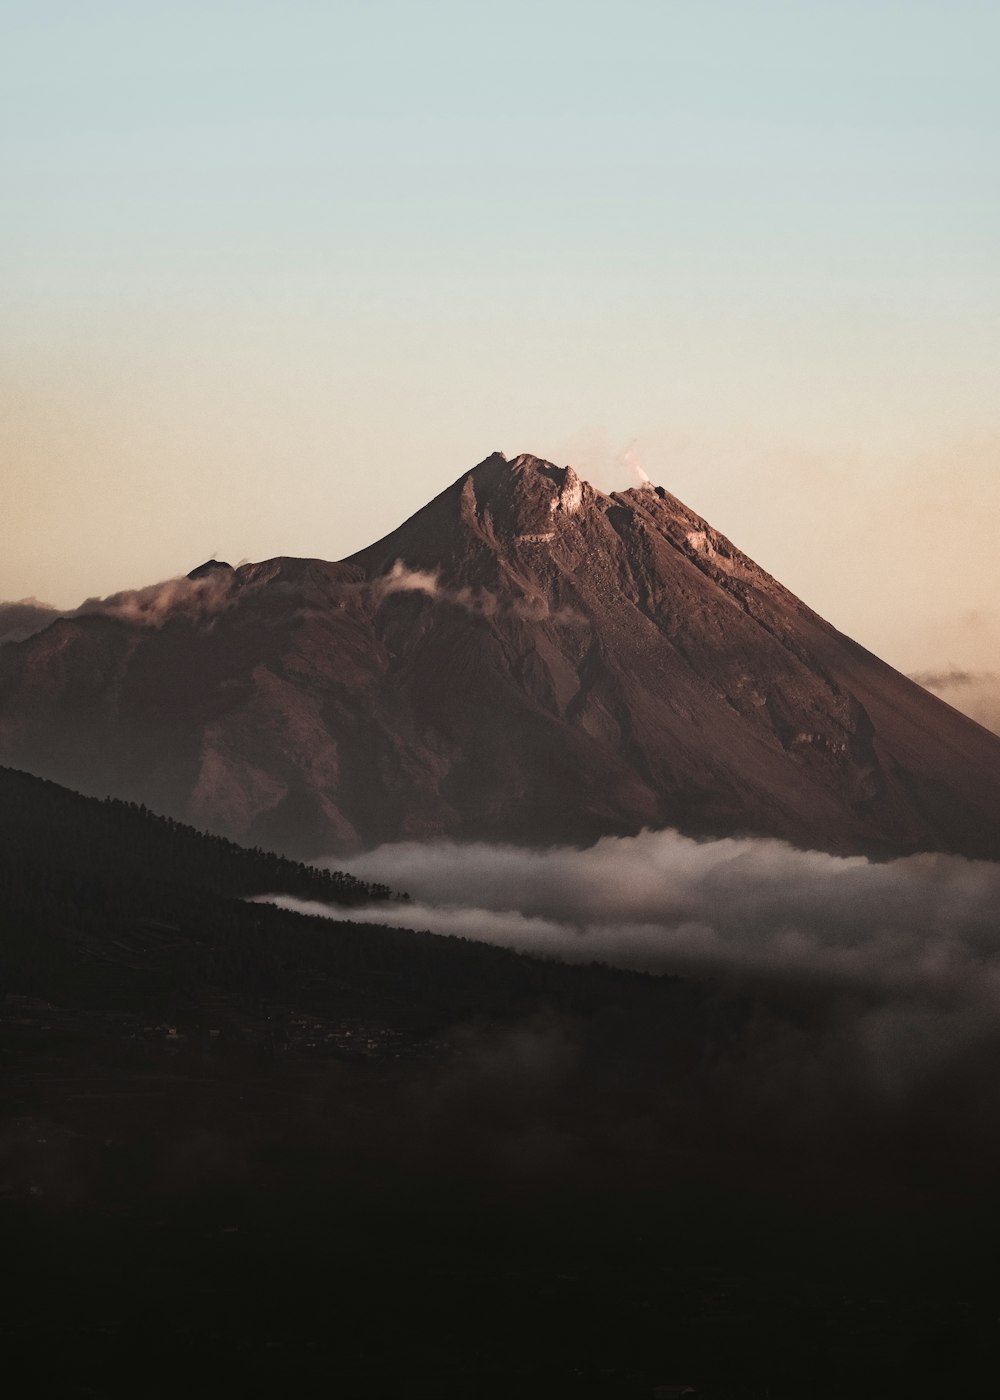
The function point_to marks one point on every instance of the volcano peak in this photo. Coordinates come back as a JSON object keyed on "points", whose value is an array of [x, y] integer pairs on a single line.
{"points": [[524, 659], [527, 498]]}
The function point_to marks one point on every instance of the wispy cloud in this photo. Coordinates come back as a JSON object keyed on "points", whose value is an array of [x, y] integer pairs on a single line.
{"points": [[198, 599], [975, 693], [481, 601]]}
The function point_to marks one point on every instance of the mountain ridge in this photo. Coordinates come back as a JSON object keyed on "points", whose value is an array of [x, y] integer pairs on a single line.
{"points": [[524, 659]]}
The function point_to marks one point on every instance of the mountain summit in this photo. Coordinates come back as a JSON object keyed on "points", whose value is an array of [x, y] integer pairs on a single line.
{"points": [[525, 659], [498, 503]]}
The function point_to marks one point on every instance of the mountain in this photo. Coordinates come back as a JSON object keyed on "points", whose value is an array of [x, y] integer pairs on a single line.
{"points": [[526, 659]]}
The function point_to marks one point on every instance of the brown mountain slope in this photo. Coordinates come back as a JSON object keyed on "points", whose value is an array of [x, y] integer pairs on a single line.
{"points": [[525, 659]]}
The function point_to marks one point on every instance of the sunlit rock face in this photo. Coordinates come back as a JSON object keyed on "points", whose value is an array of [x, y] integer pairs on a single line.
{"points": [[527, 660]]}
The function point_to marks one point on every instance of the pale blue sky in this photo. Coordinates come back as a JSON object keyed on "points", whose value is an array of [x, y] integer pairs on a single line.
{"points": [[276, 272]]}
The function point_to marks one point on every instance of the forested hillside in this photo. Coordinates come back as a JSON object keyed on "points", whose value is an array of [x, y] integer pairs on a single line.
{"points": [[104, 905], [46, 825]]}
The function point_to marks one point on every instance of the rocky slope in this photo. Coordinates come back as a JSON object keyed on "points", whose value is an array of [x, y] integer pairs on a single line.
{"points": [[525, 659]]}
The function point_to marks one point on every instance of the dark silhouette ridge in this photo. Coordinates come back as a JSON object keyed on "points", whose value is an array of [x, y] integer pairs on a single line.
{"points": [[211, 566], [107, 907]]}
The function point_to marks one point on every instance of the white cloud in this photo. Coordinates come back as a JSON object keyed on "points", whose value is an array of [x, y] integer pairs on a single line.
{"points": [[920, 928]]}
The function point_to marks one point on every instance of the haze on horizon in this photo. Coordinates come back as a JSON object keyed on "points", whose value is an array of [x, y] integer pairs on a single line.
{"points": [[278, 274]]}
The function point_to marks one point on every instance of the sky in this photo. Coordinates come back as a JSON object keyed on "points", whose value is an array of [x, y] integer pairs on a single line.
{"points": [[275, 274]]}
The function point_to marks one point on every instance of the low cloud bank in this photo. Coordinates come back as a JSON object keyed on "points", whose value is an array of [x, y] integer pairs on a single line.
{"points": [[975, 693], [880, 982], [663, 902]]}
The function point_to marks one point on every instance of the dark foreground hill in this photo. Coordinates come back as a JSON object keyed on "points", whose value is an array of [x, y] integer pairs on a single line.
{"points": [[108, 907], [246, 1152], [526, 659]]}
